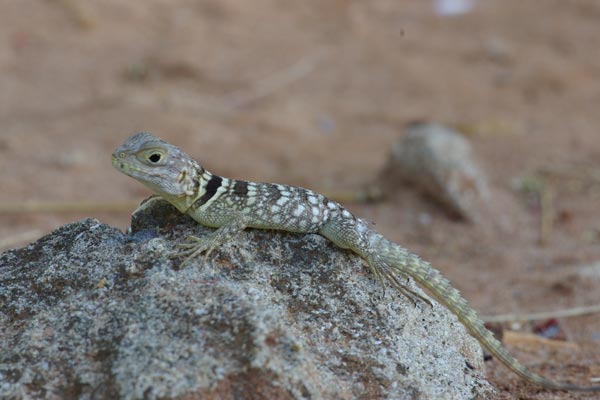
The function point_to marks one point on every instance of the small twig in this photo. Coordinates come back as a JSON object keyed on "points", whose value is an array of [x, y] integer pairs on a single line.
{"points": [[267, 86], [547, 212], [237, 99], [531, 340], [123, 206], [571, 172], [64, 207], [26, 236], [78, 12], [565, 313]]}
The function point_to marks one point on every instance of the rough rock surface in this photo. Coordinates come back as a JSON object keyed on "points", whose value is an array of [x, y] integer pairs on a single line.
{"points": [[440, 163], [90, 312]]}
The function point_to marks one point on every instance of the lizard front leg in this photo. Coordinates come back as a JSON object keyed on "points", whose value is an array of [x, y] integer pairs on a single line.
{"points": [[213, 240]]}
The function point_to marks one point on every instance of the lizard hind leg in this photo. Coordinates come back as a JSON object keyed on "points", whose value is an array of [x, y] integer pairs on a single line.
{"points": [[383, 273]]}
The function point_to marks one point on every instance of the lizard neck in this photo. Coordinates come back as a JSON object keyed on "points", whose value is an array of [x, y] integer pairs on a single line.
{"points": [[182, 203], [194, 179], [205, 189]]}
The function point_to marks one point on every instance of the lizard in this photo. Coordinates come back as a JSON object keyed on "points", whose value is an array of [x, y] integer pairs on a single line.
{"points": [[233, 205]]}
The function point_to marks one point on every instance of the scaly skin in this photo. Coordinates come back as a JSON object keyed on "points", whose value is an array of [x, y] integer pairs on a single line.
{"points": [[233, 205]]}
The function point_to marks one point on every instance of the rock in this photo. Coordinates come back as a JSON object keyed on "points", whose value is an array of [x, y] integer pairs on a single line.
{"points": [[89, 312], [438, 161]]}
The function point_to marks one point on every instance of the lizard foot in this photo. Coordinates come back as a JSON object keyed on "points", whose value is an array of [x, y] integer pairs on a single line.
{"points": [[205, 244]]}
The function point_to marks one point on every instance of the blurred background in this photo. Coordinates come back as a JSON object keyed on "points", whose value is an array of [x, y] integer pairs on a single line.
{"points": [[315, 93]]}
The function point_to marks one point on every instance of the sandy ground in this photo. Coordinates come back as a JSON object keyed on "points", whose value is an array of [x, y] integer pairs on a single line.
{"points": [[314, 93]]}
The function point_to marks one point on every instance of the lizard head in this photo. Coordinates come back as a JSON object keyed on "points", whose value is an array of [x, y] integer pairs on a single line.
{"points": [[162, 167]]}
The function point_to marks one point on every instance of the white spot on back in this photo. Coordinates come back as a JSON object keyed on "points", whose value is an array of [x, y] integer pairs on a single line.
{"points": [[313, 200], [315, 211], [362, 227], [282, 200], [298, 211]]}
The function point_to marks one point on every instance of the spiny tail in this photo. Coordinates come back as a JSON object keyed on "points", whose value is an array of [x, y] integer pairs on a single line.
{"points": [[402, 262]]}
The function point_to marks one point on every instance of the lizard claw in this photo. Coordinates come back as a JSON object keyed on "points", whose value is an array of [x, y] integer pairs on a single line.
{"points": [[192, 250]]}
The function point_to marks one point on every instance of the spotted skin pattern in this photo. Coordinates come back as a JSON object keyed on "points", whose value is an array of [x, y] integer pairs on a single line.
{"points": [[272, 206], [234, 205]]}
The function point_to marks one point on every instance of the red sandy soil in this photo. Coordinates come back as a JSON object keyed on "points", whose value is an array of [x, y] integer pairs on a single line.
{"points": [[313, 93]]}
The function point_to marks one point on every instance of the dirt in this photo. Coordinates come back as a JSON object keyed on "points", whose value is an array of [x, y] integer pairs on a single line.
{"points": [[314, 93]]}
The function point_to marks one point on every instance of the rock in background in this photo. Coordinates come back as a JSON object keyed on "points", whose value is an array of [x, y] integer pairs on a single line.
{"points": [[89, 312], [439, 162]]}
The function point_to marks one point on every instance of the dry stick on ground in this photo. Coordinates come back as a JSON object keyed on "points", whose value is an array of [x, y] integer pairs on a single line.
{"points": [[64, 207], [258, 90], [23, 237], [78, 12], [548, 212], [571, 172], [530, 340], [569, 312], [122, 206], [274, 83]]}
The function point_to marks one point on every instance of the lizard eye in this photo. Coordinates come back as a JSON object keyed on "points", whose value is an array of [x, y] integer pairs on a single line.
{"points": [[154, 157]]}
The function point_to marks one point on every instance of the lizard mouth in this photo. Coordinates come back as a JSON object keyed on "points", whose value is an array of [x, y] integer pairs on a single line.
{"points": [[116, 163], [122, 166]]}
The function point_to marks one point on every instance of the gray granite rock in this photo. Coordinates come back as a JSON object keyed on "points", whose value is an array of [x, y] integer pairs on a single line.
{"points": [[89, 312]]}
